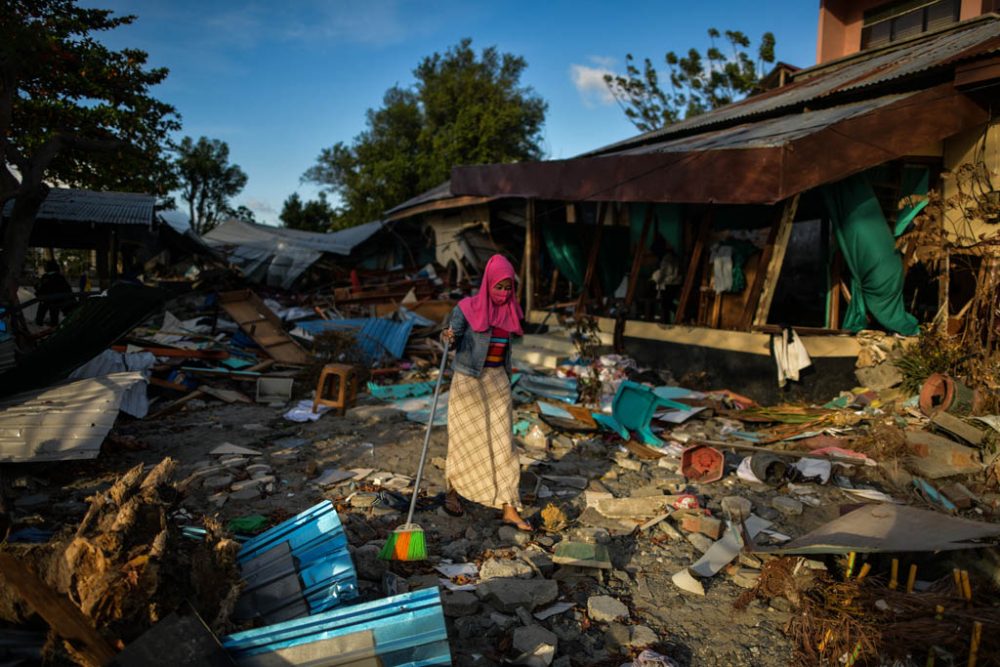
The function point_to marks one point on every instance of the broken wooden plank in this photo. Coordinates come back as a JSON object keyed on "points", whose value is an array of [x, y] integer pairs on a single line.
{"points": [[65, 618], [951, 424], [693, 267], [595, 247], [261, 324], [755, 289], [777, 259]]}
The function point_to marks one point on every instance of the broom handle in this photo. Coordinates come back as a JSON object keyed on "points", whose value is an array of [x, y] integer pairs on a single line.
{"points": [[427, 435]]}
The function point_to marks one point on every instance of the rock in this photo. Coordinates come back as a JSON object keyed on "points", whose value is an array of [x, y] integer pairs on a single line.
{"points": [[456, 550], [641, 637], [605, 608], [249, 493], [590, 535], [787, 506], [524, 616], [217, 483], [617, 636], [700, 542], [650, 491], [263, 478], [207, 470], [633, 508], [509, 535], [736, 507], [744, 577], [423, 581], [563, 661], [503, 621], [880, 377], [218, 499], [255, 468], [234, 461], [539, 561], [368, 564], [630, 464], [246, 484], [495, 568], [536, 644], [459, 603], [507, 595]]}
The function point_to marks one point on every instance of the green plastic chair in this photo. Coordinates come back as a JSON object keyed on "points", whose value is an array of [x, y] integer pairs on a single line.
{"points": [[634, 406]]}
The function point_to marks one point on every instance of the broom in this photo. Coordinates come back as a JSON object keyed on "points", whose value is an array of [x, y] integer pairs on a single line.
{"points": [[407, 542]]}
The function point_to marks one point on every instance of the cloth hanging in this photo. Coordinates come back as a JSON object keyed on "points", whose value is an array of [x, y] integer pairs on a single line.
{"points": [[722, 267], [790, 355]]}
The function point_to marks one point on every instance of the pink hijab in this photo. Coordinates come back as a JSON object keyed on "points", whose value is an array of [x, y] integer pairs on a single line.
{"points": [[494, 308]]}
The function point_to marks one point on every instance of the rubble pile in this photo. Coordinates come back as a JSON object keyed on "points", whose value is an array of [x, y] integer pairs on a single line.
{"points": [[671, 525]]}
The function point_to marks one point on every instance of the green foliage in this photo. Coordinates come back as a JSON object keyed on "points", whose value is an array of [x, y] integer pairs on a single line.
{"points": [[463, 109], [698, 83], [243, 214], [207, 181], [315, 215], [71, 109], [934, 352]]}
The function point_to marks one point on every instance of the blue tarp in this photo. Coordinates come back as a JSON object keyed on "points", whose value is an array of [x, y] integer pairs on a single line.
{"points": [[400, 631], [378, 337]]}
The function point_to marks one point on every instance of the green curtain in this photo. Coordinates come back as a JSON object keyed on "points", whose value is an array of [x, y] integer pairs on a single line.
{"points": [[868, 248], [668, 224], [569, 247], [915, 183]]}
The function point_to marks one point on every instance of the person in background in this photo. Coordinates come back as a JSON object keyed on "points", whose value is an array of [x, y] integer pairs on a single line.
{"points": [[482, 464], [54, 294]]}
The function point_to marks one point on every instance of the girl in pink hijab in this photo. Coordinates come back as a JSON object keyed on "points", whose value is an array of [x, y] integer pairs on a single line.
{"points": [[482, 465]]}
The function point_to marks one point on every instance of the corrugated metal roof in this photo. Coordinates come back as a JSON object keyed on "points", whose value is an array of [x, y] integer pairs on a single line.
{"points": [[106, 208], [248, 234], [766, 133], [378, 337], [63, 422], [866, 69], [437, 193]]}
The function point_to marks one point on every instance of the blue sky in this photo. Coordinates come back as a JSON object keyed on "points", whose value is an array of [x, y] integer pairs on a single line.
{"points": [[279, 81]]}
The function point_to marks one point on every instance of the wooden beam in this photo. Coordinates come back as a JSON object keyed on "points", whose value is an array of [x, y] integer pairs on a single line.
{"points": [[65, 618], [595, 248], [633, 280], [755, 289], [694, 266], [530, 255], [777, 259], [833, 296]]}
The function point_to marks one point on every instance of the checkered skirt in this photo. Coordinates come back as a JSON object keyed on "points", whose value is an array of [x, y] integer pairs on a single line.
{"points": [[482, 463]]}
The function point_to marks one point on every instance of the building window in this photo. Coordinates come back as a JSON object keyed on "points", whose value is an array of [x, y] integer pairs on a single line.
{"points": [[896, 21]]}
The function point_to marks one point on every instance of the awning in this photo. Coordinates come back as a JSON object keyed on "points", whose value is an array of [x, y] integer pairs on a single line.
{"points": [[753, 163]]}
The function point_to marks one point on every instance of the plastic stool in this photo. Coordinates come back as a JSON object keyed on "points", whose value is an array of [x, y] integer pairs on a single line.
{"points": [[346, 390], [634, 406]]}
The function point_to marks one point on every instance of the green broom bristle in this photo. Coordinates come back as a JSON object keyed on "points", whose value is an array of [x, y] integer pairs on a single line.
{"points": [[405, 543], [418, 546]]}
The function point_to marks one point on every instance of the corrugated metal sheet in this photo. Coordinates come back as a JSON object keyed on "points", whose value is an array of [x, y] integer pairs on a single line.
{"points": [[401, 631], [378, 337], [437, 193], [64, 422], [866, 69], [238, 233], [107, 208]]}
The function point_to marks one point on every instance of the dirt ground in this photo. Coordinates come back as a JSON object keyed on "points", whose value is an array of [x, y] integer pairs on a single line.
{"points": [[690, 629]]}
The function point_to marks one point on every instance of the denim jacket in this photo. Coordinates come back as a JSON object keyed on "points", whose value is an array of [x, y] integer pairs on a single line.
{"points": [[471, 346]]}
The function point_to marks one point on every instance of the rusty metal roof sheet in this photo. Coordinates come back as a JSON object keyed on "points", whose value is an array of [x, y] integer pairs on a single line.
{"points": [[63, 422], [107, 208], [829, 80]]}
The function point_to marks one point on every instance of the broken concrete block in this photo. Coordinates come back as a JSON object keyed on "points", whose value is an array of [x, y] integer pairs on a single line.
{"points": [[934, 457], [459, 603], [507, 595], [582, 554], [699, 541], [494, 568], [633, 508], [606, 609], [736, 508], [249, 493], [367, 563], [234, 461], [700, 523], [787, 506], [880, 377], [590, 535], [246, 484], [228, 449], [217, 483], [509, 535], [503, 621], [535, 646], [641, 636], [262, 478], [959, 495], [255, 468], [745, 577], [685, 581], [951, 424], [617, 637]]}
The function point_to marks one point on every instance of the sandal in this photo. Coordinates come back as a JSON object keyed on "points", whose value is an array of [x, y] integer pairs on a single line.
{"points": [[453, 505], [518, 523]]}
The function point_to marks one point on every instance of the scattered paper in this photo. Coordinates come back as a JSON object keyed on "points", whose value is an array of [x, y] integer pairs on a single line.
{"points": [[727, 548], [677, 416], [303, 412]]}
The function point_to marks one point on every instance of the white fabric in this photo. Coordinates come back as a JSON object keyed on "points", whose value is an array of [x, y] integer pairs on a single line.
{"points": [[790, 355], [135, 402], [722, 268]]}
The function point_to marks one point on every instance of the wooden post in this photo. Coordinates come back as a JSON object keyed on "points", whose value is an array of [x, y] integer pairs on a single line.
{"points": [[65, 618], [694, 264], [595, 248], [754, 291], [113, 268], [833, 316], [773, 269], [530, 256], [633, 279], [102, 263]]}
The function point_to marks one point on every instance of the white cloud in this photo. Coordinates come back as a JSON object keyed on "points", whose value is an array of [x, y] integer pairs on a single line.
{"points": [[259, 206], [589, 81]]}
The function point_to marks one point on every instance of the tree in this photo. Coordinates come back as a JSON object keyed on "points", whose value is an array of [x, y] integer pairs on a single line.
{"points": [[207, 181], [315, 215], [71, 111], [697, 84], [243, 213], [462, 109]]}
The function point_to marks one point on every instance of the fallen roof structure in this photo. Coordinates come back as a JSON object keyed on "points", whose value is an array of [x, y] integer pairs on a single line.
{"points": [[278, 256], [63, 422]]}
